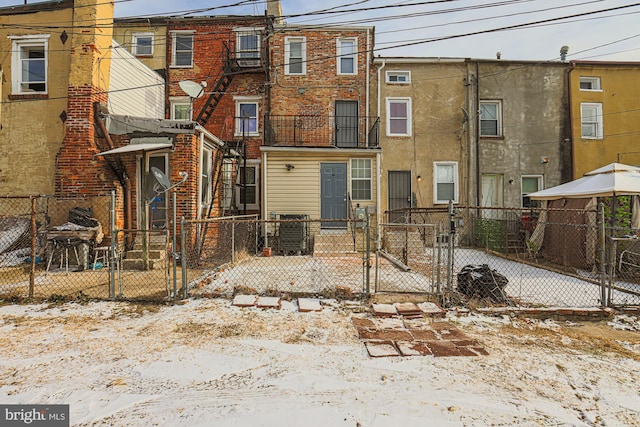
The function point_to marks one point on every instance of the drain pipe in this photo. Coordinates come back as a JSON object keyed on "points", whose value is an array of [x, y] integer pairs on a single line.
{"points": [[124, 179]]}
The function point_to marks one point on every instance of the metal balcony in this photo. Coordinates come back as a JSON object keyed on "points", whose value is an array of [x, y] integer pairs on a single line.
{"points": [[321, 131]]}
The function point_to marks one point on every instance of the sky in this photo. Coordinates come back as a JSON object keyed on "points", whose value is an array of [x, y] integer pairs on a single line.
{"points": [[449, 28]]}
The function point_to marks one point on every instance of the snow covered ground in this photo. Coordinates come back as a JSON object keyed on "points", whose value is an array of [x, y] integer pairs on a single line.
{"points": [[206, 363]]}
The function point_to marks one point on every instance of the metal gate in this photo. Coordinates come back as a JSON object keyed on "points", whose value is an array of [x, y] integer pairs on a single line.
{"points": [[411, 259]]}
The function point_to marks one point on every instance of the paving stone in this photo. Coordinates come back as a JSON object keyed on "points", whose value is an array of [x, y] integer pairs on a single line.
{"points": [[381, 349], [466, 343], [408, 309], [384, 310], [413, 348], [423, 334], [269, 302], [388, 323], [466, 351], [451, 334], [443, 348], [244, 300], [306, 305], [480, 350], [359, 322], [431, 309], [384, 334]]}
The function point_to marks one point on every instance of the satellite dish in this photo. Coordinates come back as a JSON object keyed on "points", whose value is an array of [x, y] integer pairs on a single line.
{"points": [[193, 89], [161, 178]]}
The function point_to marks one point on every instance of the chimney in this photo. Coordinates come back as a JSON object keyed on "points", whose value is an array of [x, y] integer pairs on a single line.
{"points": [[563, 53], [274, 8]]}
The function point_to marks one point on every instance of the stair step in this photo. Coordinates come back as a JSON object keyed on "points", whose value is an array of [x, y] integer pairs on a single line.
{"points": [[138, 264]]}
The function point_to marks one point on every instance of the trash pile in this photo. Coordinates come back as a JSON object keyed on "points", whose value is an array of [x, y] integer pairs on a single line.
{"points": [[480, 281]]}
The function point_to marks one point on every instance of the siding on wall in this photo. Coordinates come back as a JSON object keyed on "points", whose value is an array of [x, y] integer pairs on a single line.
{"points": [[298, 191], [135, 89]]}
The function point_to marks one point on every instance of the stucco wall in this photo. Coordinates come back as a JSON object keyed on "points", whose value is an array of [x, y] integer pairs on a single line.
{"points": [[619, 94], [32, 131], [535, 126], [437, 96]]}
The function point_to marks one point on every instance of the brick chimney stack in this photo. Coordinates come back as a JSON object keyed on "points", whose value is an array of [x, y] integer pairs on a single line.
{"points": [[274, 8]]}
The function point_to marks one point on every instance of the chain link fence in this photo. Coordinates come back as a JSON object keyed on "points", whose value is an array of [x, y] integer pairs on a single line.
{"points": [[64, 249], [48, 247], [290, 255]]}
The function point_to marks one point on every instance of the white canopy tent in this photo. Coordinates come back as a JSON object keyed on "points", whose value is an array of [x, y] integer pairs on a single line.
{"points": [[615, 179]]}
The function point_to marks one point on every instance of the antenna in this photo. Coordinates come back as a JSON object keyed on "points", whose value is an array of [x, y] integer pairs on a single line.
{"points": [[163, 184], [193, 89]]}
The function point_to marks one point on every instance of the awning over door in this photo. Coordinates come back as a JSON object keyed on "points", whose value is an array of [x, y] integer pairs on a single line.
{"points": [[141, 144]]}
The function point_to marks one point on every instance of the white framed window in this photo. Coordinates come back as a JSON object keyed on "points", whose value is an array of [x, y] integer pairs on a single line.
{"points": [[142, 44], [398, 116], [247, 43], [227, 183], [246, 116], [181, 49], [295, 52], [445, 182], [590, 83], [206, 175], [347, 56], [248, 181], [400, 77], [490, 118], [29, 64], [361, 179], [530, 184], [591, 120], [180, 108]]}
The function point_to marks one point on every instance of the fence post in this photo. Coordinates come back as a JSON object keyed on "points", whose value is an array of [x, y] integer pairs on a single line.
{"points": [[603, 254], [174, 249], [183, 256], [452, 232], [233, 241], [112, 249], [368, 257], [32, 266]]}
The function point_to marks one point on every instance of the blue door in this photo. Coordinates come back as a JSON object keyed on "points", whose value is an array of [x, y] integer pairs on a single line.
{"points": [[333, 194]]}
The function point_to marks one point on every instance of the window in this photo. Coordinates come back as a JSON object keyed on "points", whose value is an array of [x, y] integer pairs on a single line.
{"points": [[180, 108], [530, 184], [29, 64], [142, 44], [398, 116], [445, 182], [248, 43], [182, 50], [591, 115], [295, 50], [490, 118], [246, 117], [206, 173], [403, 77], [227, 184], [590, 83], [361, 179], [347, 56], [247, 186]]}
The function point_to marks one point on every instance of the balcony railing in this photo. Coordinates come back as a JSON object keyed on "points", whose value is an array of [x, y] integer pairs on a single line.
{"points": [[322, 131]]}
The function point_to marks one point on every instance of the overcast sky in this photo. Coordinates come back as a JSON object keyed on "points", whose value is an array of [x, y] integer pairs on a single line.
{"points": [[468, 28]]}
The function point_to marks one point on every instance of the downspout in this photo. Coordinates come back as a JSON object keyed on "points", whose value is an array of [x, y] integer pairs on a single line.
{"points": [[477, 135], [378, 156], [126, 183], [570, 101], [367, 108]]}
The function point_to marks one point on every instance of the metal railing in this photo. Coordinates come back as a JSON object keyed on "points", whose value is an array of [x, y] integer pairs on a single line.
{"points": [[321, 131]]}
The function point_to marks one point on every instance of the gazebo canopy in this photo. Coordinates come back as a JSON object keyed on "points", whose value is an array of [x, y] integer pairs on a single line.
{"points": [[615, 179]]}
